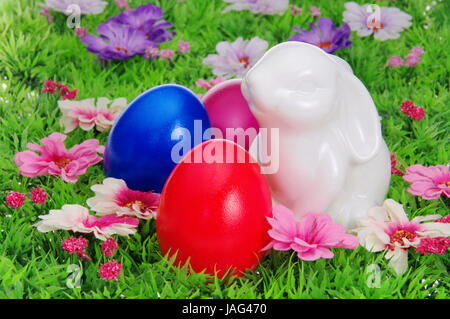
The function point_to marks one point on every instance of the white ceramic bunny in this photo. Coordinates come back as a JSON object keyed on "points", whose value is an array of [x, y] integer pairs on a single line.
{"points": [[332, 157]]}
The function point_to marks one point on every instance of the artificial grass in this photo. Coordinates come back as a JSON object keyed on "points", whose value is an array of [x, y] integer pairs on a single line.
{"points": [[33, 265]]}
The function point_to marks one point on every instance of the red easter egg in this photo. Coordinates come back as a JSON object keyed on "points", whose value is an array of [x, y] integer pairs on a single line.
{"points": [[213, 210]]}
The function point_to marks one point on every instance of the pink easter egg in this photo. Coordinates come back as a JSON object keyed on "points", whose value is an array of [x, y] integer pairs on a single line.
{"points": [[229, 112]]}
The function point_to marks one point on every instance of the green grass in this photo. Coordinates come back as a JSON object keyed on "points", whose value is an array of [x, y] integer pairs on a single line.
{"points": [[33, 265]]}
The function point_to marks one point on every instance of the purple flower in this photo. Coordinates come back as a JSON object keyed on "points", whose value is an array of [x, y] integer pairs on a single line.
{"points": [[236, 58], [325, 35], [117, 42], [147, 19], [384, 22]]}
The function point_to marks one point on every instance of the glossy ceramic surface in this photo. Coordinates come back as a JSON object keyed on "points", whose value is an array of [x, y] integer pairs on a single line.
{"points": [[215, 213], [229, 112], [140, 144], [332, 156]]}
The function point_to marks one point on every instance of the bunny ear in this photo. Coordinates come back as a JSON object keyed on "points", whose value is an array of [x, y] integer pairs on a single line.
{"points": [[359, 120]]}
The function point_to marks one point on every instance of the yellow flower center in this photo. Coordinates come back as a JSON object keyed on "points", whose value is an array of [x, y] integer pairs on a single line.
{"points": [[121, 49], [244, 60], [399, 235], [138, 202], [325, 45], [62, 162], [375, 25]]}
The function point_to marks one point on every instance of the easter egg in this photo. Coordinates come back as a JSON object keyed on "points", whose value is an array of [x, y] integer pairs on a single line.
{"points": [[140, 145], [229, 112], [213, 210]]}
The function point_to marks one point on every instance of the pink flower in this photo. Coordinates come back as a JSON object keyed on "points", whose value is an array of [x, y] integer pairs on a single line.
{"points": [[151, 53], [49, 87], [311, 237], [406, 106], [258, 6], [55, 160], [437, 245], [110, 270], [15, 199], [183, 47], [76, 246], [122, 4], [203, 84], [315, 12], [208, 85], [38, 195], [234, 59], [111, 224], [428, 182], [295, 10], [76, 218], [109, 247], [412, 60], [414, 112], [87, 115], [395, 62], [394, 169], [80, 32], [166, 54], [445, 219], [216, 81], [45, 11], [417, 51], [114, 197], [67, 94], [417, 113], [388, 228]]}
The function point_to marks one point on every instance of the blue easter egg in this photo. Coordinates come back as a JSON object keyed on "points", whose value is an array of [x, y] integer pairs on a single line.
{"points": [[153, 134]]}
